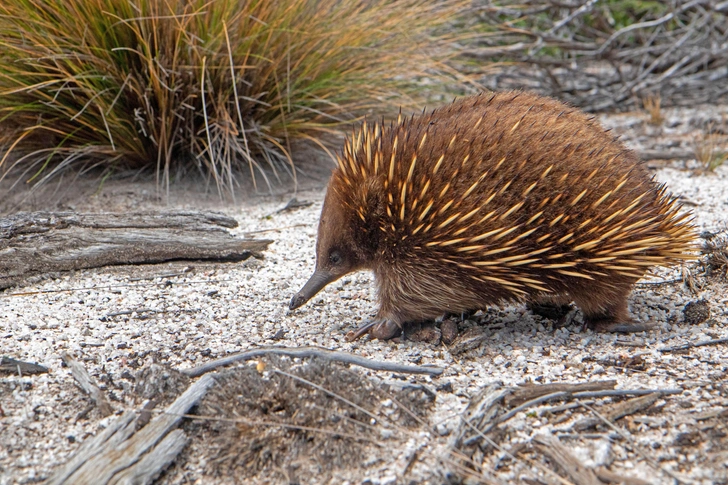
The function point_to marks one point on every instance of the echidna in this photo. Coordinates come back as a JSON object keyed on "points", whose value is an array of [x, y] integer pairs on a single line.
{"points": [[494, 198]]}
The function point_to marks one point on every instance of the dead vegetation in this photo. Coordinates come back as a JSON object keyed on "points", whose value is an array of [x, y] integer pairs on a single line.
{"points": [[590, 430], [315, 421], [607, 55], [303, 422]]}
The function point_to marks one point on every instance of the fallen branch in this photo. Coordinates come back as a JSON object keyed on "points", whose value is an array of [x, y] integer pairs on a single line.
{"points": [[487, 409], [118, 431], [626, 392], [566, 395], [82, 377], [114, 287], [481, 414], [308, 352], [38, 243], [151, 464]]}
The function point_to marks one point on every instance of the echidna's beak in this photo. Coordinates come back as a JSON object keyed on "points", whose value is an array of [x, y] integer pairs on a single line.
{"points": [[315, 283]]}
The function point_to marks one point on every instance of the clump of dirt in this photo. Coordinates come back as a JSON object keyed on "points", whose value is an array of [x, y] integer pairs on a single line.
{"points": [[301, 422]]}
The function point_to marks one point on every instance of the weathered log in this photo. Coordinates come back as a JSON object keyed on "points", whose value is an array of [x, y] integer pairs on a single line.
{"points": [[37, 243], [119, 455]]}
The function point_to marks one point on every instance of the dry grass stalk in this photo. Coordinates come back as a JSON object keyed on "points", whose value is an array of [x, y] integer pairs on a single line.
{"points": [[651, 104]]}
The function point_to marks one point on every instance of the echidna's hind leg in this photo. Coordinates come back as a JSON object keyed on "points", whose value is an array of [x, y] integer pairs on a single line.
{"points": [[606, 311]]}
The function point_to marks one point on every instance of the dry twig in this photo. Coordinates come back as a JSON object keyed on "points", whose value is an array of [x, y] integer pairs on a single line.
{"points": [[307, 352], [690, 345]]}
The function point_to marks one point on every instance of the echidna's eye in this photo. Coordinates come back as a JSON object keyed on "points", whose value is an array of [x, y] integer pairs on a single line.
{"points": [[334, 257]]}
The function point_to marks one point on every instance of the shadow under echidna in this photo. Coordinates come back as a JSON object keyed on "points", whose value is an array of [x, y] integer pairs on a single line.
{"points": [[495, 198]]}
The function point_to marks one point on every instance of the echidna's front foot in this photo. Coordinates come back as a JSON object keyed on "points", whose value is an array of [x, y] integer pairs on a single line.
{"points": [[380, 328]]}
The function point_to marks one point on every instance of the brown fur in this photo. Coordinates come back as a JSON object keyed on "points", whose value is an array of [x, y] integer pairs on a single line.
{"points": [[528, 199]]}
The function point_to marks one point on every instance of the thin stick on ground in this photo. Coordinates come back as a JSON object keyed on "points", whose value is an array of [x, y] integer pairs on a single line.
{"points": [[626, 392], [691, 345], [534, 402], [82, 377], [308, 352], [618, 411]]}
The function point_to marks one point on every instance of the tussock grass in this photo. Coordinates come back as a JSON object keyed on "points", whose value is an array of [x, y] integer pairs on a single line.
{"points": [[221, 86]]}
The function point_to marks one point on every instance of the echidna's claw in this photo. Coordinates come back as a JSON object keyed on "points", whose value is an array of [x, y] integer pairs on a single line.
{"points": [[382, 329], [360, 332]]}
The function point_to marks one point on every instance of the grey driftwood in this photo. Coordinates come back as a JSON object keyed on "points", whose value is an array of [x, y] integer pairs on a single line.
{"points": [[119, 455], [37, 243]]}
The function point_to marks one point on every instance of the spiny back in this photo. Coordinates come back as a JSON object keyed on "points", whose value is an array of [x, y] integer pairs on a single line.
{"points": [[508, 188]]}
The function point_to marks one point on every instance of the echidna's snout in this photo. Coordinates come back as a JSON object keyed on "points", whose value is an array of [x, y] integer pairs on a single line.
{"points": [[315, 283]]}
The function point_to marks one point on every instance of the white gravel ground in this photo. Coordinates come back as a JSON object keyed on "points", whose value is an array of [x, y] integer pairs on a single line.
{"points": [[217, 309]]}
